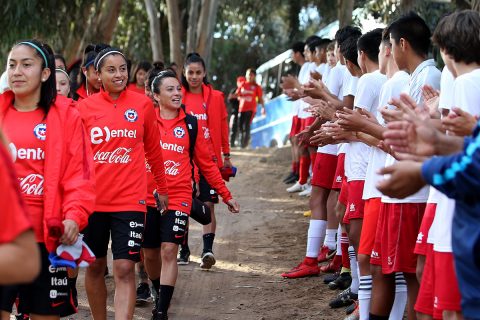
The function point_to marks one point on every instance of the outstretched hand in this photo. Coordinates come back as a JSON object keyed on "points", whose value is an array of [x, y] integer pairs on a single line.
{"points": [[404, 179], [233, 206], [459, 122]]}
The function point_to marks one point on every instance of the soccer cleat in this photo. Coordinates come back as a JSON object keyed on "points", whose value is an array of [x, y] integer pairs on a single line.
{"points": [[306, 192], [143, 294], [333, 266], [158, 315], [297, 187], [344, 299], [208, 260], [290, 176], [351, 308], [302, 270], [330, 277], [325, 254], [183, 257], [342, 282], [355, 314], [307, 213]]}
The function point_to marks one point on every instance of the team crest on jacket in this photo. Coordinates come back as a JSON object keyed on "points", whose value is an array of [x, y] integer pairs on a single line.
{"points": [[131, 115], [179, 132], [40, 131]]}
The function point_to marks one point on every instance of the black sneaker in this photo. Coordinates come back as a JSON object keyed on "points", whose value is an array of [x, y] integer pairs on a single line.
{"points": [[344, 299], [158, 315], [331, 277], [342, 282], [143, 294], [287, 178], [351, 308], [292, 179], [183, 257], [208, 260]]}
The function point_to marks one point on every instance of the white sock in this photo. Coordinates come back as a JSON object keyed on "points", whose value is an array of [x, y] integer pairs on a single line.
{"points": [[330, 239], [316, 235], [364, 295], [400, 302], [339, 241], [354, 269]]}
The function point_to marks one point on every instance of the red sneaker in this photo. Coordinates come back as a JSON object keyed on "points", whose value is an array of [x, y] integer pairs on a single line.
{"points": [[302, 270], [333, 266], [325, 254]]}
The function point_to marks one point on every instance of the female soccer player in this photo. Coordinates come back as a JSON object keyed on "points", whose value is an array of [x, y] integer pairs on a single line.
{"points": [[165, 232], [208, 106], [138, 80], [121, 125], [54, 168]]}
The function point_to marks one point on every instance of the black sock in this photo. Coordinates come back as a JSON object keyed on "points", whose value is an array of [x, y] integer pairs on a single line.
{"points": [[375, 317], [166, 293], [72, 282], [184, 246], [208, 242], [156, 284]]}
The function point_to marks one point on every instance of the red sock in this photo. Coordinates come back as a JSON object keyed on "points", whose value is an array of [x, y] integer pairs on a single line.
{"points": [[304, 167], [295, 167], [345, 243], [313, 156]]}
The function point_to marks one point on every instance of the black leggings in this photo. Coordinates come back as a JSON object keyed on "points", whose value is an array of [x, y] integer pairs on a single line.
{"points": [[244, 126]]}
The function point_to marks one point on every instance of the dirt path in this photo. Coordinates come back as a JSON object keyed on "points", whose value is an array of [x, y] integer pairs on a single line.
{"points": [[252, 249]]}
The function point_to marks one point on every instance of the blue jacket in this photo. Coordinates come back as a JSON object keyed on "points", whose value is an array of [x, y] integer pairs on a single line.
{"points": [[458, 177]]}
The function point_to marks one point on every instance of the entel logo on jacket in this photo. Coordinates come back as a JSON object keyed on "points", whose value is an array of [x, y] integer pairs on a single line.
{"points": [[96, 134]]}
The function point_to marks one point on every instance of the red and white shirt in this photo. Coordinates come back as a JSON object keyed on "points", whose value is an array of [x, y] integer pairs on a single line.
{"points": [[122, 132], [248, 94], [27, 132]]}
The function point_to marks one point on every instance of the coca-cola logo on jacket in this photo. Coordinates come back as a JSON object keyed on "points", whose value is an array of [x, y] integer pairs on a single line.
{"points": [[99, 135], [120, 155], [172, 167], [32, 184]]}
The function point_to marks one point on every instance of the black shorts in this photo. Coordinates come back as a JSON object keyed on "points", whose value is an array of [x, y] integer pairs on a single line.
{"points": [[207, 193], [169, 227], [126, 228], [48, 294]]}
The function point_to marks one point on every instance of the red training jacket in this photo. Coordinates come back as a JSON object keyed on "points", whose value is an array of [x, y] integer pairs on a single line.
{"points": [[217, 121], [69, 179], [123, 133]]}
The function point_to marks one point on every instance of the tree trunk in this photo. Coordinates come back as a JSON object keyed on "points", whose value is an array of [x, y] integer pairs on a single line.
{"points": [[345, 9], [205, 28], [72, 49], [101, 24], [475, 4], [192, 23], [174, 31], [155, 31], [293, 17]]}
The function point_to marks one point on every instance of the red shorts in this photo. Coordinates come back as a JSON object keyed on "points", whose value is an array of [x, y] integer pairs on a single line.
{"points": [[343, 196], [309, 121], [295, 126], [340, 172], [399, 224], [369, 226], [439, 289], [324, 170], [421, 246], [355, 203]]}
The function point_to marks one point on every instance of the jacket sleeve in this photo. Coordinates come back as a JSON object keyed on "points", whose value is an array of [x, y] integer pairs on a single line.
{"points": [[209, 169], [78, 180], [224, 125], [153, 152], [458, 175]]}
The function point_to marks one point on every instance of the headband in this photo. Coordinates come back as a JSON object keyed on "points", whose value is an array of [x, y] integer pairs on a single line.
{"points": [[64, 72], [106, 54], [160, 74], [89, 63], [33, 45]]}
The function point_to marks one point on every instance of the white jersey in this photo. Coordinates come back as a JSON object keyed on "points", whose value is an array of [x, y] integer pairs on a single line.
{"points": [[349, 89], [425, 73], [390, 89], [335, 79], [466, 96], [366, 97], [303, 78]]}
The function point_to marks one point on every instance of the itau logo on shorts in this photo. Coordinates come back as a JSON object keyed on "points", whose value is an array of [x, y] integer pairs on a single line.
{"points": [[131, 115], [40, 131], [179, 132]]}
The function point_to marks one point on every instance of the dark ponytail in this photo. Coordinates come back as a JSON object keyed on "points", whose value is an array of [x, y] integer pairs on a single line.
{"points": [[158, 67], [193, 57]]}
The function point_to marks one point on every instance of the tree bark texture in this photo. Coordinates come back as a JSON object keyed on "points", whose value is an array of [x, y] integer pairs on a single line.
{"points": [[155, 31]]}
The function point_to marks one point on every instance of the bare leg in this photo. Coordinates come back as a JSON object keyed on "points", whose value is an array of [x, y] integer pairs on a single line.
{"points": [[125, 293], [412, 292], [96, 288]]}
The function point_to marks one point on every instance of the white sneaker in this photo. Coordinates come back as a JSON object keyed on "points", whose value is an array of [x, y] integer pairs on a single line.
{"points": [[297, 187], [306, 192]]}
